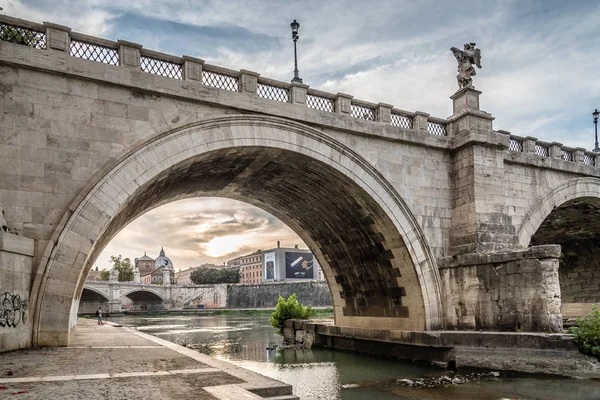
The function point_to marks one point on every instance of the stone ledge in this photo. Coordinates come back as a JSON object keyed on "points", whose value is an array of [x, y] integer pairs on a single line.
{"points": [[443, 339], [12, 243], [551, 163], [463, 260]]}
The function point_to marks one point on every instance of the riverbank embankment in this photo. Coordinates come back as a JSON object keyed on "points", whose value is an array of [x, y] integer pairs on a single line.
{"points": [[109, 361], [523, 352]]}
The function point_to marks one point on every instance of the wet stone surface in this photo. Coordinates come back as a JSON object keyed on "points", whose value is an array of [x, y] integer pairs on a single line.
{"points": [[171, 387]]}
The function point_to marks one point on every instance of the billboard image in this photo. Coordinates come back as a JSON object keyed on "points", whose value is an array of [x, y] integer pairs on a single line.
{"points": [[299, 265], [269, 266]]}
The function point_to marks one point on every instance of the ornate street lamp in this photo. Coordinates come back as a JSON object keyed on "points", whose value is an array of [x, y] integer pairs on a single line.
{"points": [[596, 114], [295, 26]]}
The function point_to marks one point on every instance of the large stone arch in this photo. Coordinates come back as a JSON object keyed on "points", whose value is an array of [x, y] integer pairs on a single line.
{"points": [[382, 234], [569, 216], [99, 292], [129, 291], [571, 190]]}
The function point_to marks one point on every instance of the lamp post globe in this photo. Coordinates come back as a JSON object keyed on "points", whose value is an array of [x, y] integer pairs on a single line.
{"points": [[295, 26], [596, 114]]}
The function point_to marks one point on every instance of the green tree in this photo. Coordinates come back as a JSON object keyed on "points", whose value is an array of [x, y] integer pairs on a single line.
{"points": [[123, 266], [587, 333], [104, 274], [204, 275], [289, 309]]}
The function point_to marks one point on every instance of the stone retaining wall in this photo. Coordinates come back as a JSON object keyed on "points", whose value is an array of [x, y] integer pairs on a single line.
{"points": [[314, 294], [527, 352]]}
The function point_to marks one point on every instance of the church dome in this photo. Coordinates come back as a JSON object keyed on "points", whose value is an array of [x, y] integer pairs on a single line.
{"points": [[163, 261], [145, 258]]}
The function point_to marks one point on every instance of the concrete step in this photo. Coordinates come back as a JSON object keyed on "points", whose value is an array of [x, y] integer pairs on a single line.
{"points": [[286, 397]]}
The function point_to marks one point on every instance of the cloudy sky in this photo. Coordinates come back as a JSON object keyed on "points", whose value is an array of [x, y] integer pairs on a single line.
{"points": [[540, 76]]}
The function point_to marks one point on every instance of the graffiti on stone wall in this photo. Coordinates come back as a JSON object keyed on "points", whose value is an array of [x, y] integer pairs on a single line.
{"points": [[12, 310]]}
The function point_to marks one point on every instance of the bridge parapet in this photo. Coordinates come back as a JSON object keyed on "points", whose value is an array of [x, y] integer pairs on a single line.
{"points": [[133, 55], [553, 155]]}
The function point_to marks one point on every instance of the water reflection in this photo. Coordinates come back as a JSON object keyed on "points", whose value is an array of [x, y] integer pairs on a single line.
{"points": [[250, 342]]}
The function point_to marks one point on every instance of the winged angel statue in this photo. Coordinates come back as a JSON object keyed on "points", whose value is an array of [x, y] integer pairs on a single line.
{"points": [[466, 59]]}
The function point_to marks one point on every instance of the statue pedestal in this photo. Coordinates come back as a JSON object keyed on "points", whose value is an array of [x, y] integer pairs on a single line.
{"points": [[465, 98], [466, 113]]}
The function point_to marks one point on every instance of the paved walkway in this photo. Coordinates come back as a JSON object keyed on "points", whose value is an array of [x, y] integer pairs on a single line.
{"points": [[112, 362]]}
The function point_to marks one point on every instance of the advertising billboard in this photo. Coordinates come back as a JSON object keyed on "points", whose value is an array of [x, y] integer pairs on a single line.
{"points": [[299, 265], [269, 259]]}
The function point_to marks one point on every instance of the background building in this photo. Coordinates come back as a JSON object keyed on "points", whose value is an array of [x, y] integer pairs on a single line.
{"points": [[145, 264], [153, 271], [94, 275], [287, 264], [251, 267]]}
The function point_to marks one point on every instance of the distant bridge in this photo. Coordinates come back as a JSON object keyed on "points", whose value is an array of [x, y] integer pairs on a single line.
{"points": [[136, 296]]}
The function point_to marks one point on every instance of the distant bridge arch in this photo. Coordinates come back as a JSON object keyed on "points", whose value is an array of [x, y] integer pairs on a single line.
{"points": [[143, 293]]}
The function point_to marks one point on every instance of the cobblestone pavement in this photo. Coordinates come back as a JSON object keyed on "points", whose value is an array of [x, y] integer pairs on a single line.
{"points": [[111, 362]]}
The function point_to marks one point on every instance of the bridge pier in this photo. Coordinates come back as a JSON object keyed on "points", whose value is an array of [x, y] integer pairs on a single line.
{"points": [[516, 291]]}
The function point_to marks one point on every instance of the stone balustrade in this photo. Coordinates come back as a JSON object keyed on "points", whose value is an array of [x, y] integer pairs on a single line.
{"points": [[534, 147], [123, 53], [128, 54]]}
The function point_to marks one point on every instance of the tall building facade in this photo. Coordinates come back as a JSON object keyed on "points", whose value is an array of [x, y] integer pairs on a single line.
{"points": [[251, 270], [290, 264]]}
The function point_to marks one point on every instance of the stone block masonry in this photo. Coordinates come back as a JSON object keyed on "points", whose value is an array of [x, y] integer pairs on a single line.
{"points": [[16, 255], [314, 294], [505, 291]]}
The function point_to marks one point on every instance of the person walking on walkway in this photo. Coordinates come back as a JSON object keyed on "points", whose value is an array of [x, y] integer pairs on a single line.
{"points": [[99, 315]]}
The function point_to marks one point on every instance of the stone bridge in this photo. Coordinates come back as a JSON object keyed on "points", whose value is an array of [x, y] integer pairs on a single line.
{"points": [[113, 295], [419, 223]]}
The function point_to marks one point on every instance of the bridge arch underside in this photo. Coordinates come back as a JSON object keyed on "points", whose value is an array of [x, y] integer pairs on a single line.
{"points": [[141, 300], [371, 271], [575, 225], [373, 253], [90, 300]]}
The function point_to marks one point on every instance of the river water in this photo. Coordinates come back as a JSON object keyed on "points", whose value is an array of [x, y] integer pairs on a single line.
{"points": [[250, 342]]}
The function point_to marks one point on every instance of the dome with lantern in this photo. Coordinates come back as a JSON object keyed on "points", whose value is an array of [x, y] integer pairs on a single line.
{"points": [[163, 261]]}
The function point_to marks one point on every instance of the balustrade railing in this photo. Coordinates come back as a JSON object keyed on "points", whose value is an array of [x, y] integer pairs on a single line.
{"points": [[273, 90], [437, 128], [320, 102], [589, 159], [542, 150], [401, 120], [515, 145], [567, 155], [158, 65], [362, 112], [26, 36], [220, 80], [94, 49]]}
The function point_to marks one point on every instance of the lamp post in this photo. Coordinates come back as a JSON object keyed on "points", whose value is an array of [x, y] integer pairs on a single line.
{"points": [[596, 114], [295, 26]]}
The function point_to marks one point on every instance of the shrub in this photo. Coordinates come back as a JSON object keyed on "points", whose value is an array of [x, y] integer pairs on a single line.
{"points": [[587, 334], [289, 309]]}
